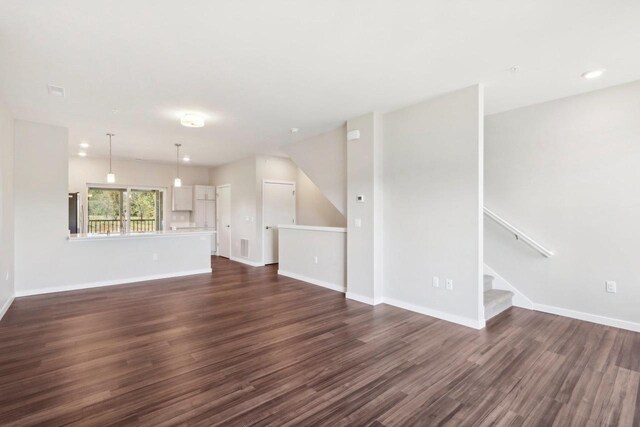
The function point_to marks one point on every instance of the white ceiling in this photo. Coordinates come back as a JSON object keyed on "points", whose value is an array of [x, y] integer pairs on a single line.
{"points": [[257, 68]]}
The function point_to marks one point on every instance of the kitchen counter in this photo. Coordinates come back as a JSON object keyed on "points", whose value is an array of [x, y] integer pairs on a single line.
{"points": [[155, 234]]}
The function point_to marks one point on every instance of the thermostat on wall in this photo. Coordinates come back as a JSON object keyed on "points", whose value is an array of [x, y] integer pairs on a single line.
{"points": [[360, 198]]}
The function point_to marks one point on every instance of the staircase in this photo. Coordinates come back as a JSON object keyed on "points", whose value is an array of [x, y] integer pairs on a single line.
{"points": [[495, 300]]}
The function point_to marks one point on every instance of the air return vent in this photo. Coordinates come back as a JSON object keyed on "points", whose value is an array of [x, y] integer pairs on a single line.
{"points": [[244, 248]]}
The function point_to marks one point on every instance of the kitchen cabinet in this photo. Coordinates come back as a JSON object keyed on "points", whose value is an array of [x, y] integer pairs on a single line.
{"points": [[205, 192], [205, 213], [183, 198]]}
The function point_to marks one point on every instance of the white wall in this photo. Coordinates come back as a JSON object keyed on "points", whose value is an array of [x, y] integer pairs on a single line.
{"points": [[567, 172], [241, 175], [45, 260], [246, 177], [131, 172], [323, 159], [432, 171], [6, 209], [300, 247], [364, 242], [312, 207]]}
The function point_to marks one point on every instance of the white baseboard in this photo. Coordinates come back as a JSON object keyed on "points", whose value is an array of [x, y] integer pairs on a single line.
{"points": [[5, 306], [593, 318], [362, 298], [332, 286], [246, 261], [464, 321], [29, 292]]}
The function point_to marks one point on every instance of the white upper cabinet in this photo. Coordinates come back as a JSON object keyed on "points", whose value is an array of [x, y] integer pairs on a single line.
{"points": [[205, 192], [183, 198]]}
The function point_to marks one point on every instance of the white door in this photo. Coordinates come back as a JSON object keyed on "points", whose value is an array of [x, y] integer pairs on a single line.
{"points": [[224, 221], [279, 203]]}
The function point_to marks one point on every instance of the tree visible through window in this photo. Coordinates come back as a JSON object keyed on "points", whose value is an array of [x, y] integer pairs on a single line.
{"points": [[118, 210]]}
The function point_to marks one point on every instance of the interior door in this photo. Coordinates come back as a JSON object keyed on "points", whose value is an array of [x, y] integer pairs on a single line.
{"points": [[279, 202], [224, 221]]}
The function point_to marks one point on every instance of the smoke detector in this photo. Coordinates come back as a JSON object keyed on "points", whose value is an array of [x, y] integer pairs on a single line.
{"points": [[55, 90]]}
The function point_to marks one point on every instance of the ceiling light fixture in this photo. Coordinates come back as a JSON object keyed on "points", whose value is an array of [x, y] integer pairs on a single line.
{"points": [[111, 177], [177, 182], [82, 154], [294, 130], [192, 120], [186, 159], [84, 144], [594, 74]]}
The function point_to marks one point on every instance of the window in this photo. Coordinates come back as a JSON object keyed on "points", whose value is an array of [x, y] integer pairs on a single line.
{"points": [[124, 210]]}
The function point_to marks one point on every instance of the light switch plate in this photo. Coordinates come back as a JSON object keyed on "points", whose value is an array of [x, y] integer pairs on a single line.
{"points": [[436, 282], [358, 222]]}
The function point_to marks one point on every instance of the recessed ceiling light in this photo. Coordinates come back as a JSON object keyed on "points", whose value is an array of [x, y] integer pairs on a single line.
{"points": [[82, 154], [593, 74], [55, 90], [192, 120], [294, 130], [186, 159], [115, 111], [84, 144], [514, 69]]}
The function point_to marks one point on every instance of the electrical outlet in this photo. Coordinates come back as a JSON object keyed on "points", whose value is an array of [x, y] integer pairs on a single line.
{"points": [[315, 259], [436, 282], [611, 286], [449, 284]]}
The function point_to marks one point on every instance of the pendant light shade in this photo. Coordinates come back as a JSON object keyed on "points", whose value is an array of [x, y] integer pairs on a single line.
{"points": [[177, 182], [111, 177]]}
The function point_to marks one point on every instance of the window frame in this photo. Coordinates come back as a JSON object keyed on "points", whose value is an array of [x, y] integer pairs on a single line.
{"points": [[128, 189]]}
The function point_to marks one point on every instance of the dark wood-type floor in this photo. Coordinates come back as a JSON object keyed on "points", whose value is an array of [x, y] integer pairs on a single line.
{"points": [[246, 347]]}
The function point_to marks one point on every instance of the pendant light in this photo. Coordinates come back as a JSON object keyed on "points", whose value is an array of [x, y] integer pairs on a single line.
{"points": [[111, 177], [177, 182]]}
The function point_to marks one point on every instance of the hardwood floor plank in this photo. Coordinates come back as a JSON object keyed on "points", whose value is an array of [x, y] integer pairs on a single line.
{"points": [[244, 346]]}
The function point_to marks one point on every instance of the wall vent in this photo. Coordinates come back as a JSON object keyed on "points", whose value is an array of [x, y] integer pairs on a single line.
{"points": [[56, 90], [244, 248]]}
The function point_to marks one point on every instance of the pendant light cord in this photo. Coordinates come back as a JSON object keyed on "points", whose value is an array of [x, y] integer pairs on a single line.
{"points": [[110, 135]]}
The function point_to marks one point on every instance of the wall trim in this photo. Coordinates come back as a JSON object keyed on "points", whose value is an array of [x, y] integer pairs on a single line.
{"points": [[328, 285], [588, 317], [362, 298], [464, 321], [5, 306], [115, 282], [246, 261]]}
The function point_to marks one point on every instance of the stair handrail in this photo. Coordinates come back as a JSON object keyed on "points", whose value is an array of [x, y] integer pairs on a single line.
{"points": [[519, 234]]}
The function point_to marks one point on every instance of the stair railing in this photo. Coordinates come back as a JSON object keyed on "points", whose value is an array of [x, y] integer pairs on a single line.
{"points": [[519, 234]]}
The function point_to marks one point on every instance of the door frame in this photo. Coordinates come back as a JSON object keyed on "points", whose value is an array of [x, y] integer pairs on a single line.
{"points": [[295, 210], [218, 216]]}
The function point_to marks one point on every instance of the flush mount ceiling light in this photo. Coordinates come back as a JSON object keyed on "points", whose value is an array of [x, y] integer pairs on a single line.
{"points": [[177, 182], [593, 74], [111, 177], [82, 154], [84, 144], [294, 130], [192, 120], [186, 159]]}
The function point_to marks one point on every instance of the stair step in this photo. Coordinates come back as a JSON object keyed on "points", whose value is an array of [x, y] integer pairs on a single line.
{"points": [[488, 282], [496, 301]]}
